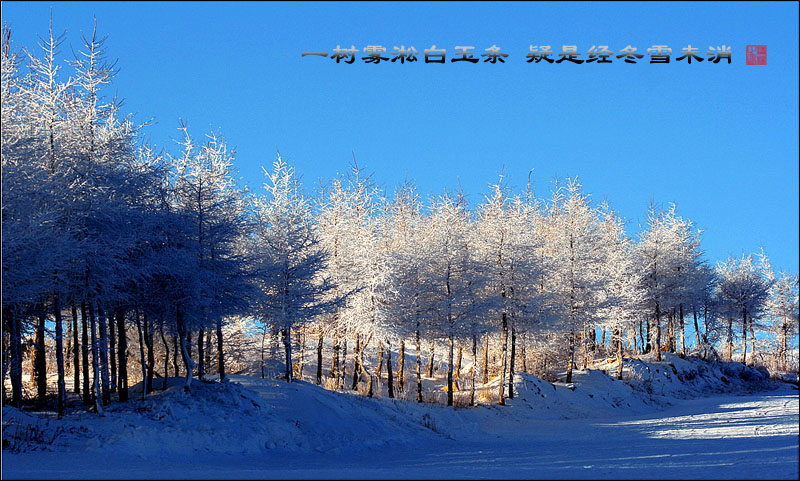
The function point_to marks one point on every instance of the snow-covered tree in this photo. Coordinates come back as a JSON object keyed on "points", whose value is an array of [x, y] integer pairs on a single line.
{"points": [[743, 291], [292, 289]]}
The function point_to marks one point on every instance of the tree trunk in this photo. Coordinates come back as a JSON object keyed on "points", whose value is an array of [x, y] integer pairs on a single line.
{"points": [[486, 360], [185, 353], [744, 336], [401, 375], [287, 346], [511, 363], [62, 388], [220, 351], [335, 357], [122, 356], [504, 356], [430, 360], [683, 333], [364, 371], [319, 359], [101, 318], [618, 333], [696, 327], [76, 355], [670, 331], [16, 357], [112, 345], [201, 359], [147, 328], [389, 373], [419, 362], [263, 364], [356, 362], [209, 347], [730, 338], [571, 359], [472, 370], [166, 356], [658, 333], [301, 338], [459, 355], [138, 320], [380, 358], [87, 395], [603, 339], [175, 351], [39, 361], [96, 395], [450, 370], [342, 365]]}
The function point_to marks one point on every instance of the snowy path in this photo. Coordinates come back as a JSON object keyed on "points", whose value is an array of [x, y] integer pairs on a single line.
{"points": [[746, 437]]}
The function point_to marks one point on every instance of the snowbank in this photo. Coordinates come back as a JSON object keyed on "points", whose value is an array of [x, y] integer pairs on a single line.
{"points": [[249, 415]]}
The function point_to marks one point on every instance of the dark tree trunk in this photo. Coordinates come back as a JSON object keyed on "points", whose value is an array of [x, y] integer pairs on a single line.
{"points": [[618, 333], [209, 347], [138, 320], [183, 336], [166, 356], [76, 354], [201, 359], [472, 370], [62, 388], [683, 332], [401, 375], [658, 333], [730, 338], [503, 355], [419, 364], [459, 355], [87, 395], [103, 347], [220, 352], [147, 332], [96, 394], [696, 327], [122, 356], [300, 349], [450, 370], [39, 362], [356, 362], [380, 358], [287, 346], [744, 336], [335, 357], [342, 365], [319, 359], [15, 348], [511, 363], [430, 360], [571, 359], [175, 351], [389, 373], [486, 360], [112, 344]]}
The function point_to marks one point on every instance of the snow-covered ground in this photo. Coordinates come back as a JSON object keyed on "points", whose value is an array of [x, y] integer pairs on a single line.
{"points": [[652, 425]]}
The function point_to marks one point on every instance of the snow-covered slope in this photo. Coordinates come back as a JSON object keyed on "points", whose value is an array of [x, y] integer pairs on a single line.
{"points": [[249, 415]]}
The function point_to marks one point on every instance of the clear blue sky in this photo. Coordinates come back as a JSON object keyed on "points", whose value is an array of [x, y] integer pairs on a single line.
{"points": [[719, 140]]}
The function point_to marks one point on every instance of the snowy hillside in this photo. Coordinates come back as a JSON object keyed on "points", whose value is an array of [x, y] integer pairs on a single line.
{"points": [[249, 416]]}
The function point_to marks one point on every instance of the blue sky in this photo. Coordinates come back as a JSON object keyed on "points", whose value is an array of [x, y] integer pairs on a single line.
{"points": [[719, 140]]}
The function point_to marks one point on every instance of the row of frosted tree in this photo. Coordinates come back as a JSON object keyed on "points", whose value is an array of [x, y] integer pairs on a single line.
{"points": [[136, 252]]}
